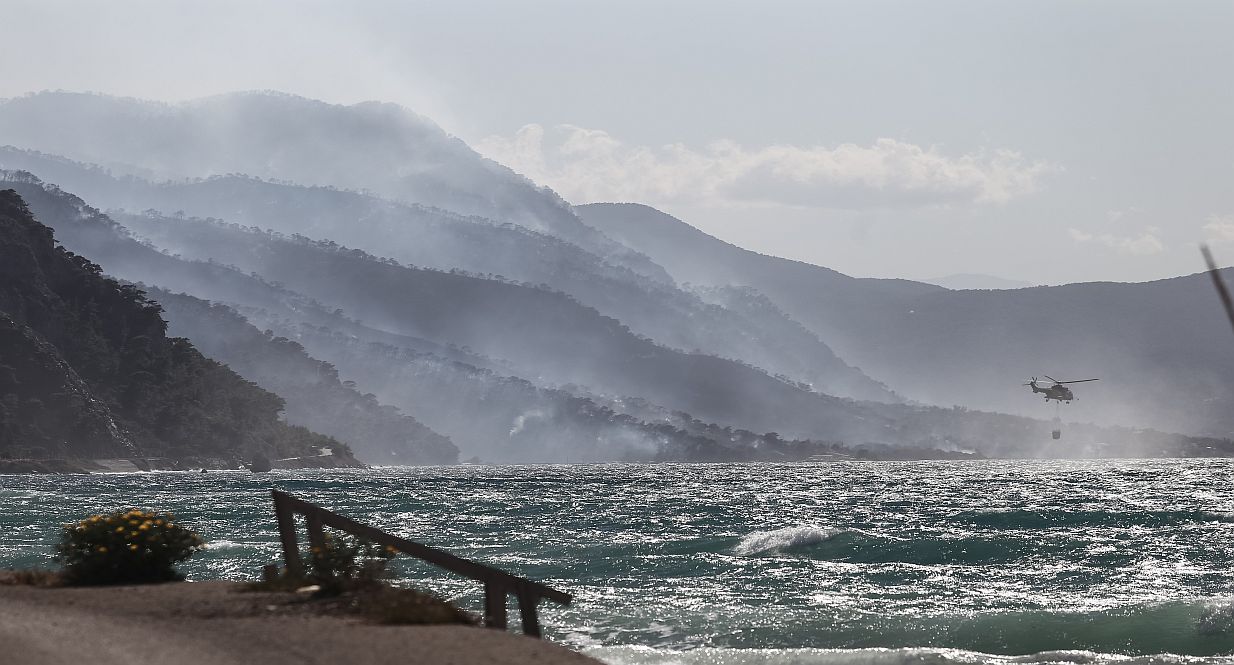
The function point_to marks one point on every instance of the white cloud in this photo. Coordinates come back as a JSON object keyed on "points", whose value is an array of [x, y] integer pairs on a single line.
{"points": [[1219, 229], [586, 165], [1144, 243]]}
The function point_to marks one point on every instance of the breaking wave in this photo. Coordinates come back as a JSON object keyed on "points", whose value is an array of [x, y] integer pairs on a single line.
{"points": [[787, 538]]}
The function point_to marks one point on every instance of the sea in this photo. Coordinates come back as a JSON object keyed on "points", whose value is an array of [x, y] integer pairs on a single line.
{"points": [[934, 562]]}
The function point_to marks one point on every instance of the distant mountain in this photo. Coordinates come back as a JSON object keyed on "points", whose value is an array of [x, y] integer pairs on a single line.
{"points": [[971, 281], [1157, 346], [761, 335], [376, 147], [87, 370]]}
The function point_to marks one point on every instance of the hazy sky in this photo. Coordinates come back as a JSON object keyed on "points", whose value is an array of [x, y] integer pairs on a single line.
{"points": [[1044, 141]]}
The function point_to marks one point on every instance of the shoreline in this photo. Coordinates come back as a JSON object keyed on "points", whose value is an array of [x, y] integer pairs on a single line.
{"points": [[64, 466], [221, 623], [69, 465]]}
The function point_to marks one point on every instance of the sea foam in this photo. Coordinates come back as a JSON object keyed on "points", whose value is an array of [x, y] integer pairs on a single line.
{"points": [[759, 542], [642, 655]]}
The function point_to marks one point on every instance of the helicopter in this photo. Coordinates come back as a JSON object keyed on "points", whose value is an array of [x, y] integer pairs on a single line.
{"points": [[1059, 391]]}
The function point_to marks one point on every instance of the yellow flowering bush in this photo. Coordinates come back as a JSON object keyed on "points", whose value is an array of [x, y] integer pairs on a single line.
{"points": [[126, 546]]}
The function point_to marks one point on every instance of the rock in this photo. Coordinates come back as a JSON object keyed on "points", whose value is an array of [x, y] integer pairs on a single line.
{"points": [[260, 464]]}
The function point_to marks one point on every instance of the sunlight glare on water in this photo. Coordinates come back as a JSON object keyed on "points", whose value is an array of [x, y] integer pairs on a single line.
{"points": [[761, 563]]}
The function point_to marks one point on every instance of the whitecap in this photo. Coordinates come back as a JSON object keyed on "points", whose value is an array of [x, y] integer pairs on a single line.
{"points": [[780, 539], [225, 544], [643, 655]]}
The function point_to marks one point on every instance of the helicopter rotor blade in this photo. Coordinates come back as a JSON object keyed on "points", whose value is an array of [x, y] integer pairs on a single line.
{"points": [[1080, 381], [1051, 378]]}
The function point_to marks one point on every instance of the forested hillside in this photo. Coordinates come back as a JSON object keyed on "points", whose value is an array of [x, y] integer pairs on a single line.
{"points": [[89, 370], [46, 409]]}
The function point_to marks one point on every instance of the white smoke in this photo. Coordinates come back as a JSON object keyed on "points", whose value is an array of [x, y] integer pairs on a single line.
{"points": [[520, 422]]}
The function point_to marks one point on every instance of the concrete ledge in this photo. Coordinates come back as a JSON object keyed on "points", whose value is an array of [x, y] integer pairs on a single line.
{"points": [[216, 623]]}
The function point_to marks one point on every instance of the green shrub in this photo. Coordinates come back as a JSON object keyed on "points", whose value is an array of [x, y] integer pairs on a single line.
{"points": [[347, 563], [127, 546]]}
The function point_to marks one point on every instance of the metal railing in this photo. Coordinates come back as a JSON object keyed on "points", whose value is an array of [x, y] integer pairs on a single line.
{"points": [[498, 584]]}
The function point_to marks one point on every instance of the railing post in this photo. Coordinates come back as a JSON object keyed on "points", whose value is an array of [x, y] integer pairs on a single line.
{"points": [[527, 600], [316, 533], [494, 604], [287, 534]]}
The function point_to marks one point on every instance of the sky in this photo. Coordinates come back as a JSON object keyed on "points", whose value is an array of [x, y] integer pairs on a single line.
{"points": [[1041, 141]]}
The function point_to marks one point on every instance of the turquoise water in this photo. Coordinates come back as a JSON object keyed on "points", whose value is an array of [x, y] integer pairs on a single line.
{"points": [[930, 562]]}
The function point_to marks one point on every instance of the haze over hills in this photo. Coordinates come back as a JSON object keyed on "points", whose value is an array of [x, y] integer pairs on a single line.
{"points": [[1152, 344], [86, 370], [548, 337], [742, 329], [382, 148], [496, 416], [314, 396], [511, 418], [466, 298]]}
